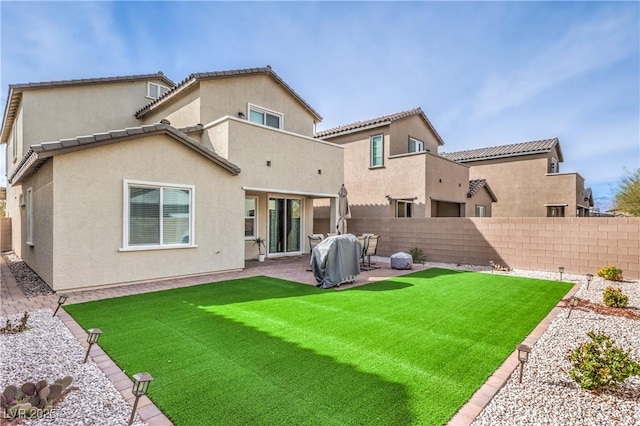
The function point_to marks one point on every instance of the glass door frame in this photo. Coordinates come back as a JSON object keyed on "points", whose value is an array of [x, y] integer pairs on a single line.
{"points": [[285, 197]]}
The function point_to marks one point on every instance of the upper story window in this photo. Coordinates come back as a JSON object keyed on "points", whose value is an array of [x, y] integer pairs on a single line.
{"points": [[265, 117], [404, 208], [155, 90], [14, 140], [415, 145], [376, 150], [554, 166], [30, 221]]}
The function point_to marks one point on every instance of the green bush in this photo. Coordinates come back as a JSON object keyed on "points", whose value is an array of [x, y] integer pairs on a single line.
{"points": [[417, 255], [611, 272], [614, 297], [599, 364]]}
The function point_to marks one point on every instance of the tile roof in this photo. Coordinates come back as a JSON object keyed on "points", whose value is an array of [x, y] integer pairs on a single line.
{"points": [[512, 150], [376, 122], [15, 92], [39, 153], [476, 185], [195, 77]]}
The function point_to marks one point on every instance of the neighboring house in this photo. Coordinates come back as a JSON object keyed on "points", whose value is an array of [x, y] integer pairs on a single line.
{"points": [[526, 179], [126, 179], [481, 199], [392, 169]]}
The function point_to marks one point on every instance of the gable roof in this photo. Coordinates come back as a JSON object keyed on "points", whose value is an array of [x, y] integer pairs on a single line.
{"points": [[378, 122], [39, 153], [16, 90], [476, 185], [194, 78], [512, 150]]}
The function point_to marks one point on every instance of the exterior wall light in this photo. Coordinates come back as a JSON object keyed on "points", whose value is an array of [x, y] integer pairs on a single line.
{"points": [[573, 302], [140, 387], [589, 278], [94, 335], [61, 299], [523, 356], [561, 270]]}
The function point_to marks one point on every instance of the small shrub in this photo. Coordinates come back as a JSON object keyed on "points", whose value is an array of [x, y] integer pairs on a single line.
{"points": [[599, 364], [611, 273], [10, 328], [417, 255], [33, 400], [614, 297]]}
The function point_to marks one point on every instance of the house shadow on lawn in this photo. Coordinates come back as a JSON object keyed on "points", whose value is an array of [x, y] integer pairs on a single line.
{"points": [[212, 368]]}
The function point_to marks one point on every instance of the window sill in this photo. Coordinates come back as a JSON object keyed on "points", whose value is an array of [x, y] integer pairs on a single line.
{"points": [[376, 167], [150, 248]]}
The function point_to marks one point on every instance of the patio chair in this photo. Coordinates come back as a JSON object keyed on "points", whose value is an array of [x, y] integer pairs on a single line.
{"points": [[314, 240], [371, 242]]}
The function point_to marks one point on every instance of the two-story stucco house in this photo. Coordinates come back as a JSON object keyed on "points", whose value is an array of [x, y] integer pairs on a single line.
{"points": [[526, 178], [392, 169], [124, 179]]}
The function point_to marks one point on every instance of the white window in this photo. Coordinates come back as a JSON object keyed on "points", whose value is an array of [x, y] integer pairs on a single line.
{"points": [[404, 209], [30, 230], [250, 218], [14, 140], [415, 145], [265, 117], [481, 211], [376, 150], [155, 90], [555, 211], [158, 215], [554, 166]]}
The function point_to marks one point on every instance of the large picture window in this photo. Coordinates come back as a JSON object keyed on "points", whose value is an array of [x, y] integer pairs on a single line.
{"points": [[158, 215], [376, 150]]}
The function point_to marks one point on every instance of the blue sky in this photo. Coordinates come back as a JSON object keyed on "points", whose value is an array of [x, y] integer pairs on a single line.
{"points": [[486, 73]]}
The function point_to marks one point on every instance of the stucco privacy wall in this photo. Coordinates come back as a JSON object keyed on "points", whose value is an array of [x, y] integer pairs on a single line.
{"points": [[89, 214], [581, 245]]}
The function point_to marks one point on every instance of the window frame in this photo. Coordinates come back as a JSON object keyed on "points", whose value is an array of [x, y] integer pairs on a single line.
{"points": [[481, 208], [371, 158], [265, 111], [14, 140], [408, 208], [560, 209], [127, 184], [158, 90], [255, 217], [554, 166], [30, 237], [417, 142]]}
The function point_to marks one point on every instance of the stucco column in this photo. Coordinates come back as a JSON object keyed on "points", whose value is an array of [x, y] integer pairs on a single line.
{"points": [[333, 214]]}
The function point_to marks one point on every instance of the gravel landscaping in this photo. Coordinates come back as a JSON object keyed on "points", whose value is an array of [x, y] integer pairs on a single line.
{"points": [[28, 281], [546, 396]]}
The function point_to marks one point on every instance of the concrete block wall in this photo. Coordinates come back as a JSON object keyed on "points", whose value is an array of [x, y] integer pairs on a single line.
{"points": [[581, 245]]}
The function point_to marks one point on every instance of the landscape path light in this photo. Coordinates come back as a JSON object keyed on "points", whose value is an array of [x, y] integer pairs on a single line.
{"points": [[589, 278], [61, 299], [523, 356], [573, 302], [140, 387], [561, 270], [94, 335]]}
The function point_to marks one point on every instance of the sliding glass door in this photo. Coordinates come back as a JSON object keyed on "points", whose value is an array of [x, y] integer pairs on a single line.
{"points": [[285, 225]]}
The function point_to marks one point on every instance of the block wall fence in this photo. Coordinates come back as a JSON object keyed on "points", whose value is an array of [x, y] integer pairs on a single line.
{"points": [[581, 245]]}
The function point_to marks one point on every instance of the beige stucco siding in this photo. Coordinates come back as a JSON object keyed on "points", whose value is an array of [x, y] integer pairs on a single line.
{"points": [[182, 112], [295, 161], [87, 109], [89, 214], [413, 126], [446, 180], [38, 256]]}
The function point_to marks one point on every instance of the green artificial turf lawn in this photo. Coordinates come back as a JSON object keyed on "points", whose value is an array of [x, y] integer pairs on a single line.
{"points": [[263, 351]]}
